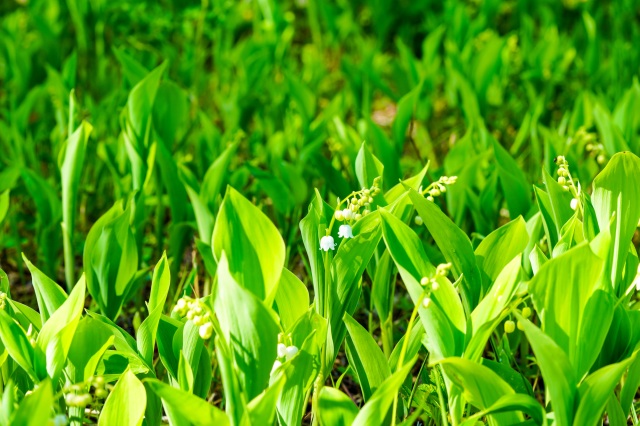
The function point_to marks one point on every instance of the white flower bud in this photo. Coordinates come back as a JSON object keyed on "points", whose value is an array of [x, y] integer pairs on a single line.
{"points": [[206, 330], [418, 220], [426, 302]]}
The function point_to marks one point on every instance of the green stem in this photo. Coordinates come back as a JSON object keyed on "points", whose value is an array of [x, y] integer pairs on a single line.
{"points": [[443, 411]]}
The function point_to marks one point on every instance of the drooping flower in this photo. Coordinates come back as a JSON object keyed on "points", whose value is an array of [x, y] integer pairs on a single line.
{"points": [[574, 203], [282, 350], [327, 243], [291, 351], [345, 231], [426, 302], [509, 327], [418, 220]]}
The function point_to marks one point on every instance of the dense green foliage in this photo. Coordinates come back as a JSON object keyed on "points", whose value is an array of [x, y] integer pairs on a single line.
{"points": [[329, 213]]}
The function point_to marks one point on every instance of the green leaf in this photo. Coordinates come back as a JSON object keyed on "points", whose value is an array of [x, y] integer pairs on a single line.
{"points": [[35, 408], [490, 311], [514, 184], [616, 200], [90, 341], [376, 410], [455, 247], [4, 204], [49, 294], [444, 322], [255, 248], [481, 386], [365, 357], [572, 276], [146, 336], [17, 344], [183, 406], [57, 333], [556, 371], [512, 402], [368, 167], [335, 408], [500, 247], [292, 299], [249, 328], [126, 403], [595, 391], [111, 260]]}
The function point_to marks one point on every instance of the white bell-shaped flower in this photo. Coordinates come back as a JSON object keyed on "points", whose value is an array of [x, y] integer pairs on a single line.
{"points": [[327, 243], [282, 350], [291, 351], [574, 203], [345, 231]]}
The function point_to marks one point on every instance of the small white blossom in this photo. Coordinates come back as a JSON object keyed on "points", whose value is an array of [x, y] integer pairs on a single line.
{"points": [[282, 350], [418, 220], [574, 203], [345, 231], [291, 351], [426, 302], [347, 214], [327, 243]]}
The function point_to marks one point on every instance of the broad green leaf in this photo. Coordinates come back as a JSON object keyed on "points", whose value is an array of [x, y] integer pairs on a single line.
{"points": [[17, 344], [4, 204], [500, 247], [90, 341], [335, 408], [49, 294], [57, 333], [444, 322], [71, 170], [481, 386], [34, 409], [512, 402], [377, 408], [146, 336], [365, 357], [262, 408], [111, 260], [249, 329], [255, 248], [616, 201], [126, 403], [595, 390], [186, 406], [292, 299], [575, 276], [556, 371], [455, 247], [368, 167], [491, 309], [514, 184]]}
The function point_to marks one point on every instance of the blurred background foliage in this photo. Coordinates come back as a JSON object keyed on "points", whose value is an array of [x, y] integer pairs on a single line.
{"points": [[276, 98]]}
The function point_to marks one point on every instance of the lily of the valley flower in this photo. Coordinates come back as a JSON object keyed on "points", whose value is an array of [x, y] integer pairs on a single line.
{"points": [[345, 231], [574, 203], [327, 243], [291, 351]]}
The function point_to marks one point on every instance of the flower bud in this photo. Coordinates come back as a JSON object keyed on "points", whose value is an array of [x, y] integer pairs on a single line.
{"points": [[206, 330], [509, 327], [426, 302], [291, 351], [282, 350], [418, 220]]}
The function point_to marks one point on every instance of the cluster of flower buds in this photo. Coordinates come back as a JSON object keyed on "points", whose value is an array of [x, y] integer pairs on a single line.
{"points": [[439, 187], [286, 351], [3, 299], [195, 311], [77, 396], [32, 335], [357, 201], [510, 326], [567, 182], [431, 284]]}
